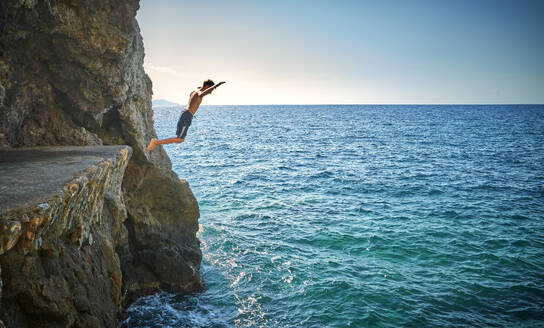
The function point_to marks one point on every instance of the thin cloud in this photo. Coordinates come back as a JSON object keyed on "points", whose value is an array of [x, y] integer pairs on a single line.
{"points": [[163, 69]]}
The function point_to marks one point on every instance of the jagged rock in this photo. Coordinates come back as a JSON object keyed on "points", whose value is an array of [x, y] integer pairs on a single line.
{"points": [[61, 268], [163, 251], [71, 73]]}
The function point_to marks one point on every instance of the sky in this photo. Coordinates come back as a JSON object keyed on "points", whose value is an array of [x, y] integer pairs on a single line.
{"points": [[346, 52]]}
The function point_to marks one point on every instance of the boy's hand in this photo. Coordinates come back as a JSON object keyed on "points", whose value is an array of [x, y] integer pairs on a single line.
{"points": [[223, 82]]}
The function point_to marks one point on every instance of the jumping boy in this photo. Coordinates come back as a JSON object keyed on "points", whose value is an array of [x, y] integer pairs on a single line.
{"points": [[187, 115]]}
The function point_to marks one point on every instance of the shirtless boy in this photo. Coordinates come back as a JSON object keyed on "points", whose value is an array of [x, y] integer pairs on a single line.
{"points": [[187, 115]]}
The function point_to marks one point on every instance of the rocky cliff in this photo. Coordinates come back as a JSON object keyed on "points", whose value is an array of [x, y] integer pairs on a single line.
{"points": [[71, 74], [60, 220]]}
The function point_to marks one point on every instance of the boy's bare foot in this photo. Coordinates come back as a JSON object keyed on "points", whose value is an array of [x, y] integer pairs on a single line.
{"points": [[152, 144]]}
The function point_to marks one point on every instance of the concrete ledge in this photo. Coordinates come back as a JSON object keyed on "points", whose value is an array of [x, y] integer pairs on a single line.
{"points": [[31, 175], [61, 218]]}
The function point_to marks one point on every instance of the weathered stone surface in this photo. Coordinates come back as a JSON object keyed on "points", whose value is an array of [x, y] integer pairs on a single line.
{"points": [[163, 251], [71, 73], [34, 174], [61, 269]]}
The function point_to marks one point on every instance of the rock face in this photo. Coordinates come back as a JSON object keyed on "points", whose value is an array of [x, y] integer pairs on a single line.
{"points": [[71, 74], [59, 223]]}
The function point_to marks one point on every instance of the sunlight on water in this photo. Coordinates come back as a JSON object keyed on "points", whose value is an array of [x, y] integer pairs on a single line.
{"points": [[336, 216]]}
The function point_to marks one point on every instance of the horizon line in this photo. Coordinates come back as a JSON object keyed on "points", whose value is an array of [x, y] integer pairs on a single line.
{"points": [[369, 104]]}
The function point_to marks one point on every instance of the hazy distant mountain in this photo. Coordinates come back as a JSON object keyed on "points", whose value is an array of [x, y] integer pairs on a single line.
{"points": [[163, 103]]}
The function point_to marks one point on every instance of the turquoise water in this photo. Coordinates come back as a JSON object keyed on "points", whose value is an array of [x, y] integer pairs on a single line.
{"points": [[362, 216]]}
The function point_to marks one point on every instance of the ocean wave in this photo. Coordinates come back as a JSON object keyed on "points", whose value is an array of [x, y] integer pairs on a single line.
{"points": [[398, 217]]}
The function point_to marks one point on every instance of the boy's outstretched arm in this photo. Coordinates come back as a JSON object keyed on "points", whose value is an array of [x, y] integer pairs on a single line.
{"points": [[209, 90]]}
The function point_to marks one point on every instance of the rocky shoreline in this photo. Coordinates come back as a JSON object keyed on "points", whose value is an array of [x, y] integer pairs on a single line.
{"points": [[96, 223]]}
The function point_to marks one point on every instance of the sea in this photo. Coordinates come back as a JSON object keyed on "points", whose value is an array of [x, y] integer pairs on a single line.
{"points": [[361, 216]]}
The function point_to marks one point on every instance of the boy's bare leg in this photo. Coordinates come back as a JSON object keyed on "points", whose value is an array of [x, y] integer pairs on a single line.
{"points": [[154, 142]]}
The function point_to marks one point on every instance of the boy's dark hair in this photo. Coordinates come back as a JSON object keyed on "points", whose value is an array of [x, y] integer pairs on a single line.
{"points": [[208, 83]]}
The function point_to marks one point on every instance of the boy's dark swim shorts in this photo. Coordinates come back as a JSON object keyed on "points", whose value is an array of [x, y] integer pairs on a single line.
{"points": [[183, 124]]}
